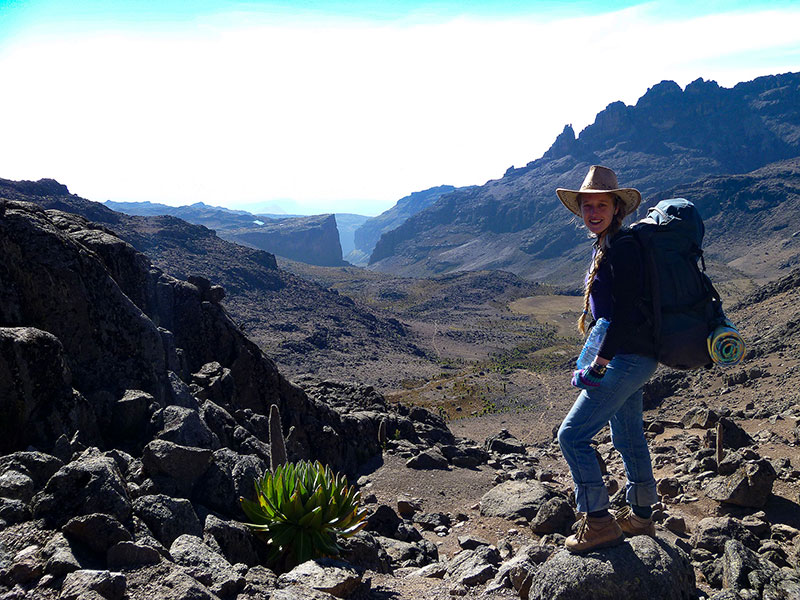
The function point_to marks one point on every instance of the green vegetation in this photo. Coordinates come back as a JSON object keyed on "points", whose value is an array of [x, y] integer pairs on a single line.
{"points": [[299, 510]]}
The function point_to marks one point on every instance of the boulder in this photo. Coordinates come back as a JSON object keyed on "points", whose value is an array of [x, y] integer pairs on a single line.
{"points": [[184, 426], [750, 485], [190, 551], [471, 542], [234, 540], [743, 569], [431, 458], [430, 521], [521, 569], [16, 486], [474, 567], [699, 418], [90, 484], [733, 436], [97, 531], [711, 534], [229, 477], [384, 521], [327, 575], [37, 402], [407, 554], [167, 518], [40, 467], [108, 585], [300, 592], [182, 466], [643, 567], [59, 557], [504, 443], [364, 550], [516, 499], [129, 555], [555, 515], [168, 581]]}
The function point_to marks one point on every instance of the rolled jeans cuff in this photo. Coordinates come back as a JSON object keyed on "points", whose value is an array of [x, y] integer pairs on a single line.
{"points": [[591, 498], [641, 494]]}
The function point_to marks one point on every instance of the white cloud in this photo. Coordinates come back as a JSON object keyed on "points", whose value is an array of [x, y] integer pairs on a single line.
{"points": [[330, 112]]}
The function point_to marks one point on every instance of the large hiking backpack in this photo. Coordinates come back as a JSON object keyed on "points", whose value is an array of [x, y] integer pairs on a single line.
{"points": [[683, 305]]}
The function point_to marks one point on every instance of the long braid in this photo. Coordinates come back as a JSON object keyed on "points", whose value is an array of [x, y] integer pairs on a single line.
{"points": [[601, 246]]}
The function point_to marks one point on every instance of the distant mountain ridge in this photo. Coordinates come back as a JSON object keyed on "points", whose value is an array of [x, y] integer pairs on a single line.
{"points": [[671, 137], [310, 239]]}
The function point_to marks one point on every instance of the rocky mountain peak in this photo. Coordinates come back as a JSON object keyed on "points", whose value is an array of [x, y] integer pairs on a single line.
{"points": [[43, 187], [564, 144]]}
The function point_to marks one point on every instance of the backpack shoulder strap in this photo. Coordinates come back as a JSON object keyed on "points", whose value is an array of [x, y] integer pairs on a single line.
{"points": [[650, 268]]}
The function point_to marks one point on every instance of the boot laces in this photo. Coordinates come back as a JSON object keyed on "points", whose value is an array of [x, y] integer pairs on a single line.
{"points": [[582, 528]]}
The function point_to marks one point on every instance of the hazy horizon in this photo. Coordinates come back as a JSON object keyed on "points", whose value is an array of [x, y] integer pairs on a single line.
{"points": [[345, 107]]}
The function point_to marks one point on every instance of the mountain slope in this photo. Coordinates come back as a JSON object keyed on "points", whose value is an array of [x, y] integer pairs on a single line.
{"points": [[370, 232], [671, 136], [304, 327]]}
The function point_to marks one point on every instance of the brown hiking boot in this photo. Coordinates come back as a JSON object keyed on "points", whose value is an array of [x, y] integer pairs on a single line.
{"points": [[594, 533], [632, 524]]}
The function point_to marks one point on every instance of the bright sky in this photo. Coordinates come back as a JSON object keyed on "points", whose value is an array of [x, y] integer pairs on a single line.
{"points": [[340, 106]]}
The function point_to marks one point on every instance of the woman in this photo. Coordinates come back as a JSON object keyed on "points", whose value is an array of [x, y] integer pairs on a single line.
{"points": [[612, 385]]}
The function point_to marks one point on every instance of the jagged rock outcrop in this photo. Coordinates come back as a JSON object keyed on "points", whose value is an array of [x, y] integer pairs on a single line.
{"points": [[97, 316], [670, 137]]}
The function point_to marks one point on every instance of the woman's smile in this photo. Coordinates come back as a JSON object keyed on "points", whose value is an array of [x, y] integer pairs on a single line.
{"points": [[597, 211]]}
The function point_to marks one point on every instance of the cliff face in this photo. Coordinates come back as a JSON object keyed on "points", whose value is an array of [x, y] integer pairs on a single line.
{"points": [[313, 240], [670, 137]]}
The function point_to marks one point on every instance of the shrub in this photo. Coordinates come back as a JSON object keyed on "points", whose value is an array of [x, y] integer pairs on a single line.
{"points": [[299, 510]]}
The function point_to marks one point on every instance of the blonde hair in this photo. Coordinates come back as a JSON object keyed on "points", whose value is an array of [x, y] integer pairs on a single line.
{"points": [[601, 246]]}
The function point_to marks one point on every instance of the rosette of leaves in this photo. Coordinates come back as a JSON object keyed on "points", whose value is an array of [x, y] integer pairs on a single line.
{"points": [[300, 508]]}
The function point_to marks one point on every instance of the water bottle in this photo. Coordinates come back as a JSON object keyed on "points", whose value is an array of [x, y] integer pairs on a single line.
{"points": [[593, 342]]}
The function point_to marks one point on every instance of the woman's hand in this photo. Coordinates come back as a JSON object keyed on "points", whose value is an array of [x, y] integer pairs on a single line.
{"points": [[587, 378]]}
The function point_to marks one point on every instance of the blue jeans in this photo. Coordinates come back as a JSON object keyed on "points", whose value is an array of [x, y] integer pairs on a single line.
{"points": [[618, 402]]}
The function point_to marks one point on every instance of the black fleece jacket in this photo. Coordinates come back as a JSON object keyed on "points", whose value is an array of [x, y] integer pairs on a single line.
{"points": [[621, 283]]}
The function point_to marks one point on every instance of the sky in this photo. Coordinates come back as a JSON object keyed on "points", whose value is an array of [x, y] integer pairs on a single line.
{"points": [[309, 107]]}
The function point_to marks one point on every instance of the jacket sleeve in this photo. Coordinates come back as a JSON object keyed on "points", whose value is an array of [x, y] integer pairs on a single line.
{"points": [[627, 287]]}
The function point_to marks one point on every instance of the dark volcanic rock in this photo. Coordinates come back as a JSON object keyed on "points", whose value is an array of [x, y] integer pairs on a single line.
{"points": [[168, 518], [97, 531], [750, 485], [90, 484], [37, 403], [642, 567], [181, 464], [516, 499], [711, 534]]}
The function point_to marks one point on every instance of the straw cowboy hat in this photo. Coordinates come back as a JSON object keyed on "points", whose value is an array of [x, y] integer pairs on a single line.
{"points": [[600, 180]]}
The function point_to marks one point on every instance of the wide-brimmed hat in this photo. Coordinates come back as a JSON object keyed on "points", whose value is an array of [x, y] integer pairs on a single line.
{"points": [[600, 180]]}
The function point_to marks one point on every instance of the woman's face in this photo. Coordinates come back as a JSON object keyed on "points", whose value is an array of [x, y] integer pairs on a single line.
{"points": [[597, 210]]}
